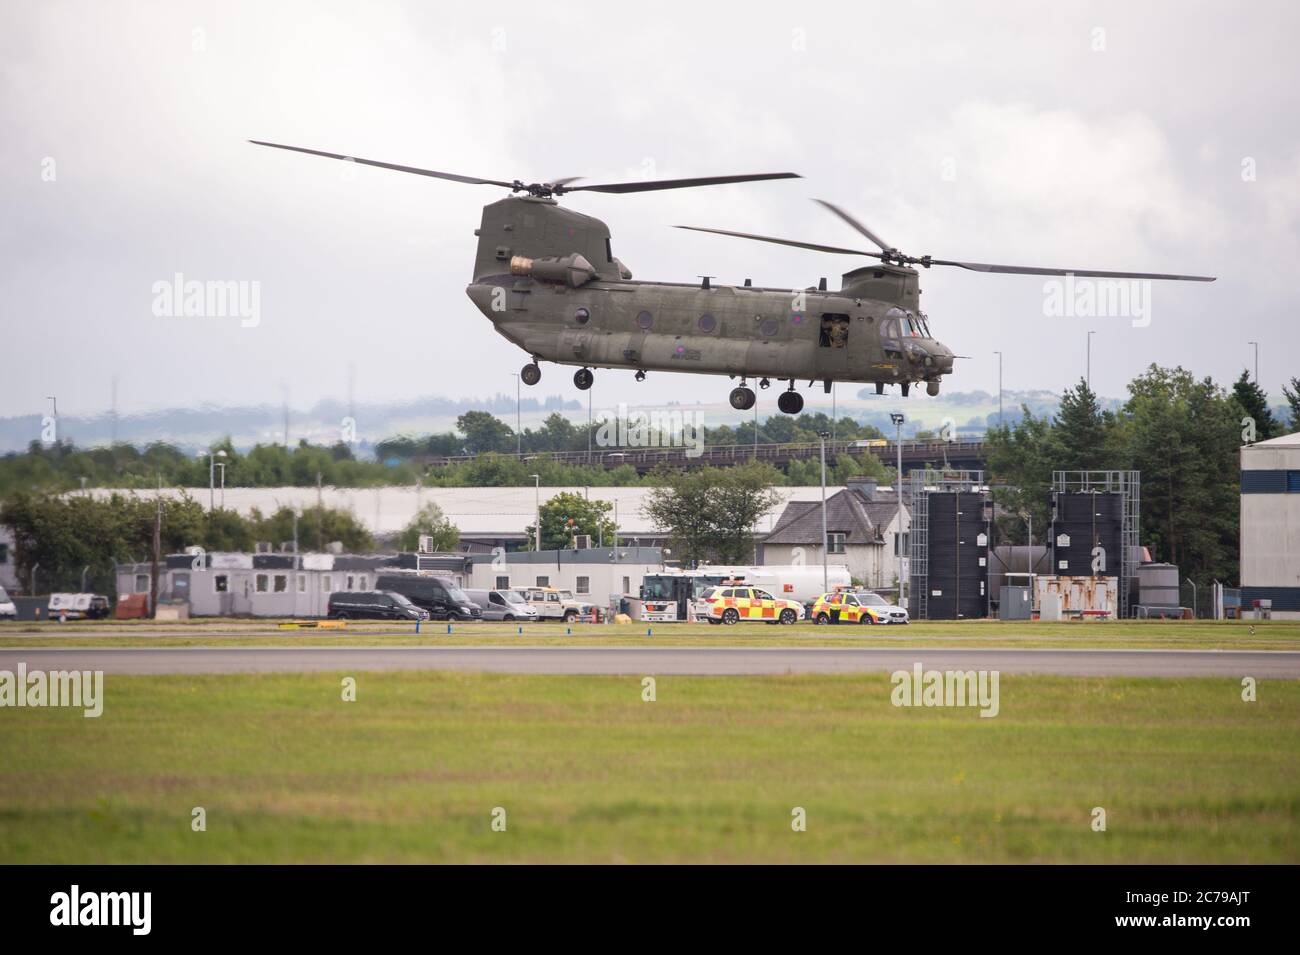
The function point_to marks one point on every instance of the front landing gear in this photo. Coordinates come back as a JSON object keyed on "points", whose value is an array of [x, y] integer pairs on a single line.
{"points": [[790, 402], [583, 378], [531, 374], [742, 398]]}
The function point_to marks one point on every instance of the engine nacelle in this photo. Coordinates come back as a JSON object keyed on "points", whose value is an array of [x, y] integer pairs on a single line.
{"points": [[572, 270]]}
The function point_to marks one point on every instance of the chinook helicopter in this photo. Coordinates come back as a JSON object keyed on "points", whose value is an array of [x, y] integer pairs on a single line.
{"points": [[548, 280]]}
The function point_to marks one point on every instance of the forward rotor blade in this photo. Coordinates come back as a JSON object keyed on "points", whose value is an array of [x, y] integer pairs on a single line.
{"points": [[854, 223], [767, 238], [1082, 273], [472, 180], [658, 184]]}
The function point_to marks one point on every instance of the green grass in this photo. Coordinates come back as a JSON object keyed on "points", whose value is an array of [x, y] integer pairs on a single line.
{"points": [[587, 771], [1134, 634]]}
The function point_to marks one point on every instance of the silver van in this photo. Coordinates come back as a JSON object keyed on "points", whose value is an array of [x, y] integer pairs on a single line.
{"points": [[502, 605]]}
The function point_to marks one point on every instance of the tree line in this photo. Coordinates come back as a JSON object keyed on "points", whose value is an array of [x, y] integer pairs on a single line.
{"points": [[1182, 433]]}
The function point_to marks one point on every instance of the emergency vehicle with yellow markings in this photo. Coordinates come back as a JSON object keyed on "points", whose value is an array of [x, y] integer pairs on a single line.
{"points": [[738, 602], [861, 606]]}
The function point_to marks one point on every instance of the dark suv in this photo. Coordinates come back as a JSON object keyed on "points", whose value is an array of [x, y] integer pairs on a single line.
{"points": [[373, 605], [436, 593]]}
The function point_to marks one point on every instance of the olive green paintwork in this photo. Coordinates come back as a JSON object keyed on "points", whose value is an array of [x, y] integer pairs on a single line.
{"points": [[859, 333]]}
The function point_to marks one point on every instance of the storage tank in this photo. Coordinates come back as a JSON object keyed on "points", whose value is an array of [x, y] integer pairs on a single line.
{"points": [[1158, 585], [958, 556]]}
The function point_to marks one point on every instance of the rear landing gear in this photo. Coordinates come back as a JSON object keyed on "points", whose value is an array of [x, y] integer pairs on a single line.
{"points": [[790, 402], [906, 386], [531, 374], [583, 378], [742, 398]]}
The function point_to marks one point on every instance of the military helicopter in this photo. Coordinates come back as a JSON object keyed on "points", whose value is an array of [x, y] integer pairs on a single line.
{"points": [[548, 280]]}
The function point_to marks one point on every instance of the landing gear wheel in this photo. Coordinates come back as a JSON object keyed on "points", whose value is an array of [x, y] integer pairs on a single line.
{"points": [[583, 378], [788, 616], [742, 398], [790, 402], [730, 616], [531, 374]]}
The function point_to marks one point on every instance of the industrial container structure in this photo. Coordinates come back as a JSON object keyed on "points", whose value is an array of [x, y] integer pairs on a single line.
{"points": [[949, 545], [1094, 528]]}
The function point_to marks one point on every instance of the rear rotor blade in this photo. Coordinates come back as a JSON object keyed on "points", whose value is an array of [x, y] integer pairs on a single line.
{"points": [[472, 180], [1083, 273], [767, 238], [655, 185], [855, 224]]}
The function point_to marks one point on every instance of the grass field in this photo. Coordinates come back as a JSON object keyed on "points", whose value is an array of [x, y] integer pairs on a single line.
{"points": [[1136, 634], [710, 771]]}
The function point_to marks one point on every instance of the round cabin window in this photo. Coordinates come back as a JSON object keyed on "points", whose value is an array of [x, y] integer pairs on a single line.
{"points": [[645, 320], [707, 323], [770, 327], [581, 316]]}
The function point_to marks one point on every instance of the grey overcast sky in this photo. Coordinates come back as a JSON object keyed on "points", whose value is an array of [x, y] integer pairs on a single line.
{"points": [[1103, 135]]}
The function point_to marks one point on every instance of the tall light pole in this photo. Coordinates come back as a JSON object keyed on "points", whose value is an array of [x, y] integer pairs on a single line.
{"points": [[519, 433], [537, 512], [825, 543], [222, 465], [212, 476], [1088, 377], [898, 419], [999, 354], [1256, 344]]}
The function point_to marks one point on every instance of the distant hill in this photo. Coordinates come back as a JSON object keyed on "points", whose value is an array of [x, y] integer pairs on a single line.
{"points": [[971, 412]]}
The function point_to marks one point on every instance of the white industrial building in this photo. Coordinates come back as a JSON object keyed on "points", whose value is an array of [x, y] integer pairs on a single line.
{"points": [[596, 574], [1270, 526], [487, 517], [864, 525]]}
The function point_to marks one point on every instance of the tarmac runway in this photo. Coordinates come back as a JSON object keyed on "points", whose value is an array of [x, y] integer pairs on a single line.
{"points": [[704, 661]]}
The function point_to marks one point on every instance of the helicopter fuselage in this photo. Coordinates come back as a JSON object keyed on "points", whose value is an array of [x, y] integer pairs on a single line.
{"points": [[594, 316]]}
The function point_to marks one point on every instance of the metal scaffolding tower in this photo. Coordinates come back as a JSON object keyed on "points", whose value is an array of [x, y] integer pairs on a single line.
{"points": [[1128, 485], [921, 483]]}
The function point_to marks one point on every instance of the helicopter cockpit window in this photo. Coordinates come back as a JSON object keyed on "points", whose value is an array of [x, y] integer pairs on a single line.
{"points": [[889, 328], [834, 331]]}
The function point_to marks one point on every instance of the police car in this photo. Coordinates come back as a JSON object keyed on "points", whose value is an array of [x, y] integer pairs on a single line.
{"points": [[856, 607], [734, 603]]}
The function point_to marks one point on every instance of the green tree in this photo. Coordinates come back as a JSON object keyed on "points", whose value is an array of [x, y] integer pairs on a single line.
{"points": [[567, 514], [485, 432], [1292, 395], [429, 521], [712, 515], [1253, 401], [1080, 431]]}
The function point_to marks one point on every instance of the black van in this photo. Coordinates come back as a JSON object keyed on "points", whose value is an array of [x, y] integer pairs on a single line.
{"points": [[373, 605], [437, 594]]}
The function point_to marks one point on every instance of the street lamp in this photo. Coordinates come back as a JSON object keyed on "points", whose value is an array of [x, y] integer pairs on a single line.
{"points": [[1089, 365], [999, 354], [1256, 344], [897, 418], [222, 465], [823, 435], [212, 476], [537, 512]]}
